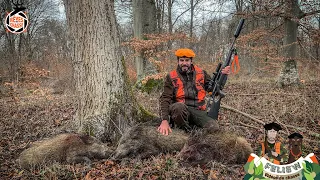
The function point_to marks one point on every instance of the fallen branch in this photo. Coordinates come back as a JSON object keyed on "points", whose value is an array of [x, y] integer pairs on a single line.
{"points": [[246, 125], [243, 113], [299, 128], [279, 94], [288, 133]]}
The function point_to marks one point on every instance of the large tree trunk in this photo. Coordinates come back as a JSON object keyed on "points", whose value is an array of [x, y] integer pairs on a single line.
{"points": [[289, 74], [104, 106], [145, 22]]}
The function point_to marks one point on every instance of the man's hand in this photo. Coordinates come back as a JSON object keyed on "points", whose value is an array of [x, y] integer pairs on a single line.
{"points": [[266, 156], [164, 128], [274, 154], [226, 70]]}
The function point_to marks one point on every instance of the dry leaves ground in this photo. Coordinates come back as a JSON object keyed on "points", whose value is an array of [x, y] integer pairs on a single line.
{"points": [[31, 116]]}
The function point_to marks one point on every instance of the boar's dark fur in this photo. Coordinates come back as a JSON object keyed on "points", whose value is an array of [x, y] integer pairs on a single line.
{"points": [[222, 146], [70, 148], [143, 141]]}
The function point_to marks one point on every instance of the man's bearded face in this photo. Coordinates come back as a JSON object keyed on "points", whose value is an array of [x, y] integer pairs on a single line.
{"points": [[271, 135], [184, 63]]}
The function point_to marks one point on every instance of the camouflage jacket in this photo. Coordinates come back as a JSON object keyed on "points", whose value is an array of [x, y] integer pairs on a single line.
{"points": [[282, 157]]}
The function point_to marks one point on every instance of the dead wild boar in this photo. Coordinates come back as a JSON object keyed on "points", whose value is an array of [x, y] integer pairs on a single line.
{"points": [[222, 146], [143, 141], [70, 148]]}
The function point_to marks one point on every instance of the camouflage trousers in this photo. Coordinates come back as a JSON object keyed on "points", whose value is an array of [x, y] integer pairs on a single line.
{"points": [[185, 117]]}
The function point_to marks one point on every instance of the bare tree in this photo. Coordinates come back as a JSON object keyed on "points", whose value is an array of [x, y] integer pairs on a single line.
{"points": [[11, 56], [170, 25], [20, 48], [317, 45], [191, 17], [145, 22], [289, 74], [160, 4]]}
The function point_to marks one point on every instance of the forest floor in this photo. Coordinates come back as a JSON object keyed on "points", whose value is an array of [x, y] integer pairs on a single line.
{"points": [[31, 116]]}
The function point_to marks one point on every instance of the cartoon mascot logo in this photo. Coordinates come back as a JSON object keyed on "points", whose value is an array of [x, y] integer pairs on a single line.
{"points": [[17, 21]]}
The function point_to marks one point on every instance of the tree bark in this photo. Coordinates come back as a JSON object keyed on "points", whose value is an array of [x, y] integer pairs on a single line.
{"points": [[105, 106], [159, 15], [145, 22], [170, 25], [289, 74]]}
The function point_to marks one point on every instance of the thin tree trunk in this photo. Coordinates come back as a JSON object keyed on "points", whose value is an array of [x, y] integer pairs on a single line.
{"points": [[13, 67], [104, 107], [11, 45], [289, 74], [162, 17], [191, 18], [145, 22], [137, 33], [170, 25], [159, 15], [317, 45]]}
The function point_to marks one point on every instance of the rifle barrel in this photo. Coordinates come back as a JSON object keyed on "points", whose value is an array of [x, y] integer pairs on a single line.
{"points": [[219, 80], [237, 32], [228, 59]]}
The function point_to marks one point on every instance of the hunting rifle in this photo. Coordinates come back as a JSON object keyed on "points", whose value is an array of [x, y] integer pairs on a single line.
{"points": [[219, 80]]}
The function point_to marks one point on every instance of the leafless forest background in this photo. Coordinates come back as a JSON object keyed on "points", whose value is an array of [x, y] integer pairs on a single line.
{"points": [[37, 86]]}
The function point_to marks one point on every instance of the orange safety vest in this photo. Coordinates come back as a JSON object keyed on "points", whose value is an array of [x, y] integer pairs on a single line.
{"points": [[277, 148], [179, 88]]}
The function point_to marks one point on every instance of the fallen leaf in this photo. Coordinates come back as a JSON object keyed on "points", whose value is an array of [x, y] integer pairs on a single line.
{"points": [[109, 162], [57, 122], [213, 175], [140, 174]]}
